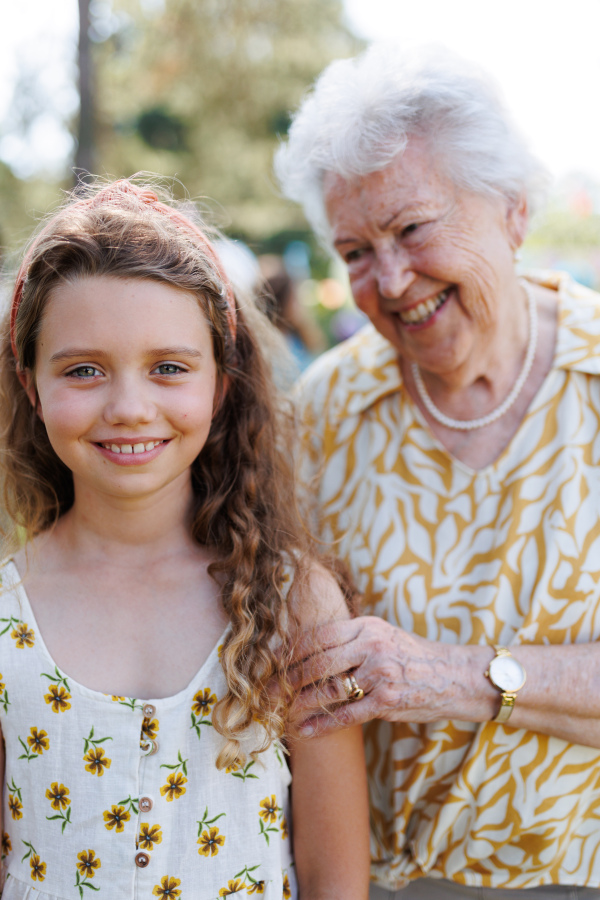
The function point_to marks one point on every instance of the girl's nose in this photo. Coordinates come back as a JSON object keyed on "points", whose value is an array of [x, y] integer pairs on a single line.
{"points": [[394, 272], [129, 403]]}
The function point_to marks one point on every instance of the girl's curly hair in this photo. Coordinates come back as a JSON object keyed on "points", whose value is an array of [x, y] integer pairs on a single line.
{"points": [[242, 480]]}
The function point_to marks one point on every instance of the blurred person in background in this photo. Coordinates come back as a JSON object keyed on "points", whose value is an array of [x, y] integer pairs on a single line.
{"points": [[450, 455], [279, 291]]}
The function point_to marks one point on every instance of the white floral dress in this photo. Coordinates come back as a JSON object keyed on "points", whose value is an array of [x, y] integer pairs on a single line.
{"points": [[121, 797]]}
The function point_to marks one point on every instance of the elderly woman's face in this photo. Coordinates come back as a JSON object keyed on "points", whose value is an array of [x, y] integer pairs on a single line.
{"points": [[430, 264]]}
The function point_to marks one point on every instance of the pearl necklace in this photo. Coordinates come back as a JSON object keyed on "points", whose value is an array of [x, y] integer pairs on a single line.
{"points": [[471, 424]]}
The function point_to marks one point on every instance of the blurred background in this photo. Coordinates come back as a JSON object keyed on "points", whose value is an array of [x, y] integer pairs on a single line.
{"points": [[201, 90]]}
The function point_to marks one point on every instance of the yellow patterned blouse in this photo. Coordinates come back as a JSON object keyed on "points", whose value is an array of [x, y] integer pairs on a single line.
{"points": [[509, 554]]}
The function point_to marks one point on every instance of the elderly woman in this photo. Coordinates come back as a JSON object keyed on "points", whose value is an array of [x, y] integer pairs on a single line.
{"points": [[452, 451]]}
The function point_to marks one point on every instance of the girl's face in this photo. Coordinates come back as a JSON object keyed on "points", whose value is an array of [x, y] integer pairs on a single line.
{"points": [[126, 380]]}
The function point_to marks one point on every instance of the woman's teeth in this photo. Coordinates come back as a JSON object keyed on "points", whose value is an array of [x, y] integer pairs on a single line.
{"points": [[132, 448], [421, 313]]}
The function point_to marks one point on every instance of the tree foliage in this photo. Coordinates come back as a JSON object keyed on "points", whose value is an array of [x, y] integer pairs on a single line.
{"points": [[201, 89]]}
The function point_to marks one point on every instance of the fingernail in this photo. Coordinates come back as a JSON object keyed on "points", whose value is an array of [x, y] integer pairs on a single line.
{"points": [[307, 730]]}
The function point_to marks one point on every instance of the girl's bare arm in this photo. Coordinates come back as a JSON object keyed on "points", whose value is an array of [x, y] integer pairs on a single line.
{"points": [[330, 807], [330, 817]]}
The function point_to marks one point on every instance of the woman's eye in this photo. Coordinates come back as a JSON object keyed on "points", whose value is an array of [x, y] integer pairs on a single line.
{"points": [[85, 372], [410, 229], [168, 369], [354, 255]]}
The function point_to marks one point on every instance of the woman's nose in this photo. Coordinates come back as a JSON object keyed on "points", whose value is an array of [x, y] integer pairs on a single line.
{"points": [[129, 402], [394, 272]]}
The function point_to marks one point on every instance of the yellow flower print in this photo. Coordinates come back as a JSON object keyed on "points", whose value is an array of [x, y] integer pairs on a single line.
{"points": [[258, 887], [149, 728], [203, 703], [167, 887], [38, 740], [96, 761], [2, 685], [210, 841], [6, 844], [38, 868], [58, 696], [233, 887], [149, 836], [284, 828], [23, 635], [269, 809], [57, 795], [88, 863], [287, 891], [117, 699], [174, 787], [116, 818], [15, 806]]}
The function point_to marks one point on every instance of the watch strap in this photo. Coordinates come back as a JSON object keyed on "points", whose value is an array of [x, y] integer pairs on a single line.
{"points": [[507, 702]]}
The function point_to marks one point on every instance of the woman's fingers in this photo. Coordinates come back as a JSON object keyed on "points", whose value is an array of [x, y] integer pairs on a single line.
{"points": [[336, 648], [325, 695], [343, 716], [326, 637], [327, 664], [391, 675]]}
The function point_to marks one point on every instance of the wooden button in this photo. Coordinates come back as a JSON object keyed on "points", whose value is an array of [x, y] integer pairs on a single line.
{"points": [[142, 860], [148, 747], [146, 804], [148, 709]]}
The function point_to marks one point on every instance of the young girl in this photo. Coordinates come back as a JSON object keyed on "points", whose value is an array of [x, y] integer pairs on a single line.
{"points": [[146, 624]]}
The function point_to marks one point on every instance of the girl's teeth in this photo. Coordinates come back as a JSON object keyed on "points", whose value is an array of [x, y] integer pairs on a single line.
{"points": [[132, 448]]}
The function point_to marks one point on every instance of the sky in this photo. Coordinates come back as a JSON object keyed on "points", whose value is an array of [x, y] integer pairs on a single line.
{"points": [[543, 53]]}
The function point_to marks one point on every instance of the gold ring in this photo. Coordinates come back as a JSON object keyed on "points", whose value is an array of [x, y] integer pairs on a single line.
{"points": [[353, 691]]}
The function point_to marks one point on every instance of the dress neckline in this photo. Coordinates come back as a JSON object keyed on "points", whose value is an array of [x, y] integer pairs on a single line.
{"points": [[182, 696]]}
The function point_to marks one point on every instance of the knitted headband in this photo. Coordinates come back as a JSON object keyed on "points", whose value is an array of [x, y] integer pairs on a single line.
{"points": [[111, 196]]}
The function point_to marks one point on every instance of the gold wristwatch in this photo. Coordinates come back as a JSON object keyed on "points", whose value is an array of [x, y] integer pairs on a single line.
{"points": [[508, 676]]}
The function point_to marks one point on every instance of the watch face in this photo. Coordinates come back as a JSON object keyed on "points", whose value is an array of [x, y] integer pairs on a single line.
{"points": [[506, 673]]}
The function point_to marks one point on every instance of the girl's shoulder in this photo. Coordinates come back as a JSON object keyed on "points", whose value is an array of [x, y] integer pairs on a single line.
{"points": [[321, 593]]}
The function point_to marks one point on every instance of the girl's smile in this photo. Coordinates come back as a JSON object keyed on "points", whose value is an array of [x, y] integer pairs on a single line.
{"points": [[135, 452], [125, 377]]}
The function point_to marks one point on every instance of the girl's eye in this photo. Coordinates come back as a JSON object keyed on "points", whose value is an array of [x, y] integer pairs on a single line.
{"points": [[168, 369], [85, 372]]}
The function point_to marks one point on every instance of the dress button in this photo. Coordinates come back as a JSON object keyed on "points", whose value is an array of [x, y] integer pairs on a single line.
{"points": [[148, 709], [146, 804], [142, 860], [148, 747]]}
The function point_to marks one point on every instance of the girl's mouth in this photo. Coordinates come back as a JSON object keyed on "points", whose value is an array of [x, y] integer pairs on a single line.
{"points": [[422, 312], [132, 448]]}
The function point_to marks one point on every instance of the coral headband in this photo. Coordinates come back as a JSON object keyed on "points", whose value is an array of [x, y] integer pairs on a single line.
{"points": [[110, 196]]}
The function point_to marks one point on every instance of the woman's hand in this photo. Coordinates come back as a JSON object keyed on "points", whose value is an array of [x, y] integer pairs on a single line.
{"points": [[404, 678]]}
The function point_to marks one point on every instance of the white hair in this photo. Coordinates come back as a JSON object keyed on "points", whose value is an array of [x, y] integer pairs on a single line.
{"points": [[362, 112]]}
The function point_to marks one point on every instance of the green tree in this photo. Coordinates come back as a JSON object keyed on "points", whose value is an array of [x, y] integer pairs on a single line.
{"points": [[201, 89]]}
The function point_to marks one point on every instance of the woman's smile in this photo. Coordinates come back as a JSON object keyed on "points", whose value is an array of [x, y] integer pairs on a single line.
{"points": [[424, 311]]}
